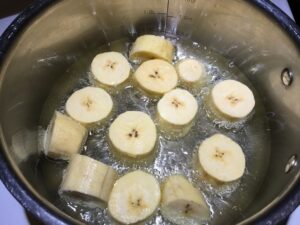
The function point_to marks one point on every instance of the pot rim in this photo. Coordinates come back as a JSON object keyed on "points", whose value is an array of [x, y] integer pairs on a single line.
{"points": [[34, 203]]}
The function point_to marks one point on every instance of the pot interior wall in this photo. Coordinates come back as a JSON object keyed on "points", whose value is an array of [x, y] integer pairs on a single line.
{"points": [[66, 30]]}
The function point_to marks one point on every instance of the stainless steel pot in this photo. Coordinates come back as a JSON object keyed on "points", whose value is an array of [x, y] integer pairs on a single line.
{"points": [[50, 35]]}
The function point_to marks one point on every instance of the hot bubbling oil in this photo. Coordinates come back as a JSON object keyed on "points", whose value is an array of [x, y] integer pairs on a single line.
{"points": [[173, 156]]}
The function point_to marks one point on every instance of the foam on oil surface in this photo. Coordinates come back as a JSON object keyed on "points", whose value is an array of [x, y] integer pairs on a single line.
{"points": [[173, 156]]}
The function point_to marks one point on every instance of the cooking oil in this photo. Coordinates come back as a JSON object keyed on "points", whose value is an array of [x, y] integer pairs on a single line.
{"points": [[173, 156]]}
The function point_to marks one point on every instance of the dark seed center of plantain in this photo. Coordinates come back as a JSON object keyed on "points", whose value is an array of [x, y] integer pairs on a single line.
{"points": [[233, 100], [176, 103], [155, 75], [111, 64], [187, 208], [87, 103], [219, 154], [133, 133], [137, 203]]}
